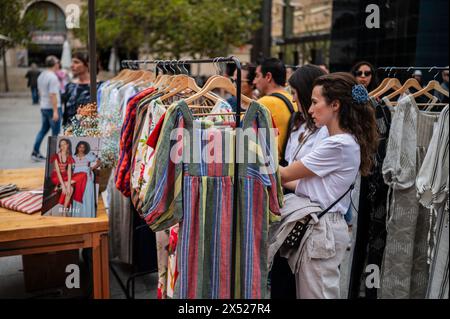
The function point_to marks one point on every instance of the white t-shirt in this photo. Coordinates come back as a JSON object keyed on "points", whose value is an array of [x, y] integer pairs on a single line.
{"points": [[48, 83], [292, 153], [336, 162]]}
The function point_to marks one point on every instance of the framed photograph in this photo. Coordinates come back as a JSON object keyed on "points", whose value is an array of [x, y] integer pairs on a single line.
{"points": [[71, 174]]}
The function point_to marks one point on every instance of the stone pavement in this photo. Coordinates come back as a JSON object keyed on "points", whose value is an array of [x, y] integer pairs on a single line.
{"points": [[19, 124]]}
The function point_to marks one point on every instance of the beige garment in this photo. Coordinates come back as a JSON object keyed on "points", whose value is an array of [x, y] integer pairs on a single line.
{"points": [[319, 274]]}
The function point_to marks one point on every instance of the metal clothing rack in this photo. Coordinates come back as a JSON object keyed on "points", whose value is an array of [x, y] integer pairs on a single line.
{"points": [[169, 63], [412, 68]]}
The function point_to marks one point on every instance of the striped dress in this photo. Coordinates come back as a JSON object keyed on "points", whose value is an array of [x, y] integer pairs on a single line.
{"points": [[192, 184]]}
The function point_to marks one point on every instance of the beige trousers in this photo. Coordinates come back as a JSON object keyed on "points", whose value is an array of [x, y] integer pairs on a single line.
{"points": [[319, 275]]}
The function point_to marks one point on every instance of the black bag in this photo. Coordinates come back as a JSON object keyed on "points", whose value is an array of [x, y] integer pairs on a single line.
{"points": [[296, 235]]}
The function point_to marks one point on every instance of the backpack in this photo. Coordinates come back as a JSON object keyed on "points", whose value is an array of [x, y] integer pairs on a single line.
{"points": [[290, 123]]}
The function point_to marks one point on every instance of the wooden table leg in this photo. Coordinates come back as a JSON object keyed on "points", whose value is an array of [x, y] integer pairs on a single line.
{"points": [[105, 265], [97, 265]]}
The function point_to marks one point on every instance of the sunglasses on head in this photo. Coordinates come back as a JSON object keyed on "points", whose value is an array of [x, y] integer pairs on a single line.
{"points": [[366, 73]]}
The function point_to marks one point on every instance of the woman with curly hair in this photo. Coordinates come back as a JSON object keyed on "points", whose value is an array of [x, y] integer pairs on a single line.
{"points": [[342, 105]]}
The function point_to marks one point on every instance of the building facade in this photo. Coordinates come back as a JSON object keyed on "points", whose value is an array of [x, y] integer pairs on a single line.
{"points": [[410, 33], [301, 30], [61, 17]]}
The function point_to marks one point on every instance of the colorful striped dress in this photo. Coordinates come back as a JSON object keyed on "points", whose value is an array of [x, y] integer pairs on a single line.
{"points": [[192, 184]]}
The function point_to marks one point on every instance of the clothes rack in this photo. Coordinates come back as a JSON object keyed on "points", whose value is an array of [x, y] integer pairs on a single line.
{"points": [[412, 68], [135, 64]]}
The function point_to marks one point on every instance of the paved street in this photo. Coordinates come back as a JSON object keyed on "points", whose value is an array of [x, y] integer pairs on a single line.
{"points": [[19, 124]]}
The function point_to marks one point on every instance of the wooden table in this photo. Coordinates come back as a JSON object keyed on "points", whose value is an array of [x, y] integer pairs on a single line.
{"points": [[22, 234]]}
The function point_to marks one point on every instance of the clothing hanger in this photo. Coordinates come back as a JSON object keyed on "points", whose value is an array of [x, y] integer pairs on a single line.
{"points": [[382, 84], [162, 78], [147, 76], [219, 82], [393, 83], [123, 73], [432, 85], [183, 82], [410, 83]]}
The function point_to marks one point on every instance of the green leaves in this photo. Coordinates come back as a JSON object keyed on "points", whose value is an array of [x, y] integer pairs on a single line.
{"points": [[14, 26], [170, 28]]}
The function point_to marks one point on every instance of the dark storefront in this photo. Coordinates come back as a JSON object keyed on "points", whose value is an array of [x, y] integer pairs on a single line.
{"points": [[50, 40], [411, 33]]}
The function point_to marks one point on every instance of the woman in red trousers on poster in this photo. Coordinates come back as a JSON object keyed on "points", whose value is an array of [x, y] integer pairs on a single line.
{"points": [[72, 185]]}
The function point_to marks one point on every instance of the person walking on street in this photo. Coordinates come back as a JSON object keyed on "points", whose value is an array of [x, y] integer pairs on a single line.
{"points": [[32, 76], [50, 103], [441, 97]]}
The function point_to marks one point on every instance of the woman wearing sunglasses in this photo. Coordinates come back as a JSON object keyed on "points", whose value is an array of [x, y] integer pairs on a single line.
{"points": [[364, 73]]}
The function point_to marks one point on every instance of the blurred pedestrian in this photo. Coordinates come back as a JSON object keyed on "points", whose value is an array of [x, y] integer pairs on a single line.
{"points": [[364, 73], [32, 76], [77, 92], [289, 72], [324, 68], [441, 97], [63, 77], [248, 75], [50, 103], [418, 76]]}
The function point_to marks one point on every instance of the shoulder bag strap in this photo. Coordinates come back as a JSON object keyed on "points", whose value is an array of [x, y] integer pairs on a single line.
{"points": [[285, 100], [337, 201]]}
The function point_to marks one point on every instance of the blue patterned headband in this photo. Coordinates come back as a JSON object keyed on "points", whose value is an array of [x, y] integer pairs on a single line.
{"points": [[360, 94]]}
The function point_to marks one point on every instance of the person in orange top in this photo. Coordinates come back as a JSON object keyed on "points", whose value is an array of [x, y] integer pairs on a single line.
{"points": [[270, 80]]}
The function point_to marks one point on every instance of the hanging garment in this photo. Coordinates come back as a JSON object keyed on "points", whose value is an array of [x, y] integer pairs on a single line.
{"points": [[167, 239], [433, 190], [121, 230], [200, 196], [438, 287], [371, 223], [405, 269], [114, 95], [149, 114], [122, 175]]}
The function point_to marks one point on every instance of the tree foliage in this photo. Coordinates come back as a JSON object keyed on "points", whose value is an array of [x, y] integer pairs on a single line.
{"points": [[170, 28], [18, 27]]}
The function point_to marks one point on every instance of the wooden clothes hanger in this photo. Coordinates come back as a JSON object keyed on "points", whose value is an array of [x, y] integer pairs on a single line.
{"points": [[393, 83], [410, 83], [432, 85], [380, 86], [122, 74], [219, 82]]}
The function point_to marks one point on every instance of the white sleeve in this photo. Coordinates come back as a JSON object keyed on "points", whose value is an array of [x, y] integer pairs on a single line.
{"points": [[325, 159]]}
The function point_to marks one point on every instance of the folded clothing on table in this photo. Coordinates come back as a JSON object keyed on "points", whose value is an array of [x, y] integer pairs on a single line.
{"points": [[28, 202], [8, 190]]}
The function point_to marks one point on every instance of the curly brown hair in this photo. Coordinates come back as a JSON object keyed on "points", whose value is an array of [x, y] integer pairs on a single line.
{"points": [[355, 118]]}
